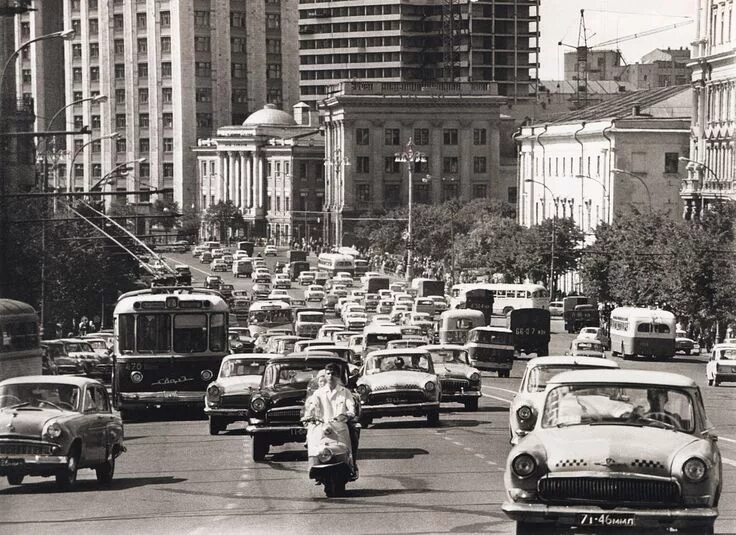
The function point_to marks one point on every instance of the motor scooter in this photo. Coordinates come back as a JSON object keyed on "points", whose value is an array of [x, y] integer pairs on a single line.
{"points": [[332, 466]]}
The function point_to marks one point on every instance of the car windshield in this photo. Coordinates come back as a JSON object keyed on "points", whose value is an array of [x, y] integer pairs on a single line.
{"points": [[292, 374], [608, 404], [387, 363], [237, 367], [72, 347], [98, 344], [312, 317], [47, 395], [727, 354], [539, 375], [449, 356]]}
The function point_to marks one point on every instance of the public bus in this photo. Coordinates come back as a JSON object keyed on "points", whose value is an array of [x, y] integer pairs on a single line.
{"points": [[20, 351], [169, 343], [506, 297], [334, 262], [642, 331], [269, 314]]}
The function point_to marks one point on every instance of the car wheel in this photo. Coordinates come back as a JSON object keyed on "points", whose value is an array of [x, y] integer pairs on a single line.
{"points": [[106, 471], [15, 479], [260, 448], [127, 415], [67, 476], [471, 405], [216, 425], [433, 419]]}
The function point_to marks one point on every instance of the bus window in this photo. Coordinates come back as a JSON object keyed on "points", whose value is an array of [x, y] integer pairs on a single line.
{"points": [[153, 332], [661, 328], [190, 333], [217, 332], [500, 293], [644, 328]]}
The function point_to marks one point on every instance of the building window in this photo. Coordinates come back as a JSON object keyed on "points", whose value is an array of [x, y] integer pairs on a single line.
{"points": [[273, 46], [78, 122], [240, 95], [479, 136], [168, 169], [120, 120], [96, 146], [449, 191], [238, 70], [363, 165], [140, 21], [143, 70], [143, 119], [165, 19], [166, 69], [77, 50], [638, 162], [391, 136], [201, 44], [513, 195], [421, 136], [421, 167], [449, 136], [671, 162], [204, 120], [143, 46], [168, 144], [94, 50], [76, 95], [165, 45], [120, 71], [203, 69], [237, 44], [78, 144], [202, 18], [273, 71], [167, 120], [275, 96], [449, 165], [362, 136], [25, 29], [273, 21], [237, 19], [144, 169], [390, 165], [421, 193], [479, 164], [119, 47], [96, 170], [120, 96], [76, 74], [364, 193], [480, 191], [121, 145], [167, 95], [94, 26], [204, 94], [144, 145], [391, 195], [143, 95], [76, 26], [118, 22], [96, 121]]}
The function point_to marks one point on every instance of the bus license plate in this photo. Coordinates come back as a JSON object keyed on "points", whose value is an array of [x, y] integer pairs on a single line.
{"points": [[7, 461], [605, 520]]}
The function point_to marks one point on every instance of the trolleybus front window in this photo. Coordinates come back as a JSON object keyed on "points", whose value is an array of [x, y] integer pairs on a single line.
{"points": [[153, 333], [126, 333], [190, 333], [218, 332]]}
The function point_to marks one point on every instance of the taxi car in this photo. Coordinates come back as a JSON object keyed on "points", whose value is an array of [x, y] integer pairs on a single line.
{"points": [[528, 401], [595, 333], [261, 290], [314, 294], [586, 347], [218, 264], [306, 278], [276, 409], [625, 449], [227, 398], [399, 382], [459, 381], [54, 426], [721, 366]]}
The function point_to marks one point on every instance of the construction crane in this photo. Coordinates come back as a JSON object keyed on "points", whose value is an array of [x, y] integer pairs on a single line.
{"points": [[583, 49]]}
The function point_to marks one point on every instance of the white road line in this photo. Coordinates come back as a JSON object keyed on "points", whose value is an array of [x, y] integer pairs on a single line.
{"points": [[468, 449], [491, 462], [727, 439], [457, 443], [502, 389], [728, 461], [499, 399], [480, 456]]}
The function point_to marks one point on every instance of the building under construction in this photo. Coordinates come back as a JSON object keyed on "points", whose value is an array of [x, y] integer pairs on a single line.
{"points": [[408, 40]]}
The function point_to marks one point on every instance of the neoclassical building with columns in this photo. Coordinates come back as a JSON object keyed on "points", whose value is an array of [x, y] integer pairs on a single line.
{"points": [[272, 168]]}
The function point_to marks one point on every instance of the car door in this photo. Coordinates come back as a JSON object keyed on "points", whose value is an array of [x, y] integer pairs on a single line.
{"points": [[710, 366], [113, 429], [93, 432]]}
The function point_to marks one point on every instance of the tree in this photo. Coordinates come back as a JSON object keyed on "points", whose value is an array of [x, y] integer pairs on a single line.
{"points": [[224, 216], [191, 222]]}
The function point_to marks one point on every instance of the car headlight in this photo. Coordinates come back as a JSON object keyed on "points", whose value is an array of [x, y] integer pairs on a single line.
{"points": [[206, 375], [258, 404], [214, 394], [475, 377], [523, 465], [136, 377], [52, 430], [524, 413], [430, 386], [363, 390], [324, 455], [694, 470]]}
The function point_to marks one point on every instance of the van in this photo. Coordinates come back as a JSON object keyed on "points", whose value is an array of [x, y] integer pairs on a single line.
{"points": [[242, 266]]}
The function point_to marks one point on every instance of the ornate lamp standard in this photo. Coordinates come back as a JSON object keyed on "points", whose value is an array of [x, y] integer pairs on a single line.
{"points": [[337, 194], [410, 156], [699, 166]]}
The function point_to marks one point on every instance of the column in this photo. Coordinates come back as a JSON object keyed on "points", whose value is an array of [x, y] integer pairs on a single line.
{"points": [[221, 177], [248, 180], [233, 176], [259, 181]]}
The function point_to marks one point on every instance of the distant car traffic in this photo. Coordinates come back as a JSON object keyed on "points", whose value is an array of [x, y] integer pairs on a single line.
{"points": [[270, 250]]}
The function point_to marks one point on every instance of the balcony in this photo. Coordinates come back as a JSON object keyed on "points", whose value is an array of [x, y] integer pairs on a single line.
{"points": [[415, 88]]}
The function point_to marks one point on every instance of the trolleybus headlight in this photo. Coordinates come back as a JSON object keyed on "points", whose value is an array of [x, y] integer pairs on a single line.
{"points": [[206, 375], [694, 470], [523, 465], [258, 404], [136, 377], [363, 390]]}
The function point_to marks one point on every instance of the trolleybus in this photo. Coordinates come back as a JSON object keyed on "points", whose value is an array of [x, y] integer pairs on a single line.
{"points": [[20, 352]]}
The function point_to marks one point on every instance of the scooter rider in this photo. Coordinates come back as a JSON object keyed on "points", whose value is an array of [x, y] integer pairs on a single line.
{"points": [[335, 403]]}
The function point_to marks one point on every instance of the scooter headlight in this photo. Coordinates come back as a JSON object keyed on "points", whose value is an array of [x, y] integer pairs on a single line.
{"points": [[325, 455]]}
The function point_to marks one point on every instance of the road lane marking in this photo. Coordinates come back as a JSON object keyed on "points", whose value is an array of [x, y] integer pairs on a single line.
{"points": [[491, 462], [727, 439], [468, 449], [480, 456], [728, 461], [502, 389], [494, 397]]}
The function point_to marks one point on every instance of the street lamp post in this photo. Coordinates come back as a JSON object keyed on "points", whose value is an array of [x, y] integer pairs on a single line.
{"points": [[606, 193], [551, 284], [640, 179], [336, 205], [410, 156]]}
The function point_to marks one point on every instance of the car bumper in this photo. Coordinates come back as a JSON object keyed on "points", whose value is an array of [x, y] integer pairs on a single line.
{"points": [[31, 464], [562, 515], [235, 413], [491, 366], [460, 395], [403, 409], [278, 433], [168, 398]]}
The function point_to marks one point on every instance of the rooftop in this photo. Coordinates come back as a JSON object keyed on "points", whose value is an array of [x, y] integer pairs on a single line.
{"points": [[412, 89], [269, 115]]}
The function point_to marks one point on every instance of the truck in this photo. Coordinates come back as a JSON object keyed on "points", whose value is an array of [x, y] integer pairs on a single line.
{"points": [[482, 300], [568, 309], [247, 246], [377, 283], [427, 287], [295, 255], [530, 329]]}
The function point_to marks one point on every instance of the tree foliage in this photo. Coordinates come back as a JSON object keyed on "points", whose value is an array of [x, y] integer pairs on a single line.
{"points": [[223, 216]]}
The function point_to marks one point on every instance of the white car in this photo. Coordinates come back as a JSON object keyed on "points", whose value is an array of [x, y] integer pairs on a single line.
{"points": [[261, 270], [343, 278], [270, 250], [595, 333], [280, 294], [218, 264], [281, 280], [556, 308], [340, 290], [358, 294], [314, 294], [356, 321], [325, 332], [306, 277], [721, 365], [261, 290], [381, 318]]}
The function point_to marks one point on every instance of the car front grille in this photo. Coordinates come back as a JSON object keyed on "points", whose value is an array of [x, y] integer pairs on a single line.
{"points": [[235, 401], [25, 449], [410, 396], [455, 385], [637, 492], [284, 415]]}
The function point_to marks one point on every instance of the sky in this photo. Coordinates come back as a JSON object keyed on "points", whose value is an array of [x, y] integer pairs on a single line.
{"points": [[609, 19]]}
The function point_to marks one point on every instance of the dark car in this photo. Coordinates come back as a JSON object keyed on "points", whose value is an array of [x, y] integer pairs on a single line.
{"points": [[295, 268], [276, 410]]}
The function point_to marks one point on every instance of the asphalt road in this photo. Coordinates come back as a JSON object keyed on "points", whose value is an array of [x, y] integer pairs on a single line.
{"points": [[176, 478]]}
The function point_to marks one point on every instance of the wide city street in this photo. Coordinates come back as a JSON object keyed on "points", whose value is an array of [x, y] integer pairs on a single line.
{"points": [[176, 478]]}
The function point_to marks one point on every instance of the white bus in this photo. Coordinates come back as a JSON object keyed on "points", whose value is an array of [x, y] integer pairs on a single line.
{"points": [[506, 297], [642, 331], [333, 262], [269, 314], [20, 353]]}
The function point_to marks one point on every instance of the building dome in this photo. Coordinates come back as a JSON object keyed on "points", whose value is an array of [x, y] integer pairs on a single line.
{"points": [[269, 116]]}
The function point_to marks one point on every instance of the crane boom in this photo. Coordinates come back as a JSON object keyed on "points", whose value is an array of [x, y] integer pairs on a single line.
{"points": [[642, 34]]}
